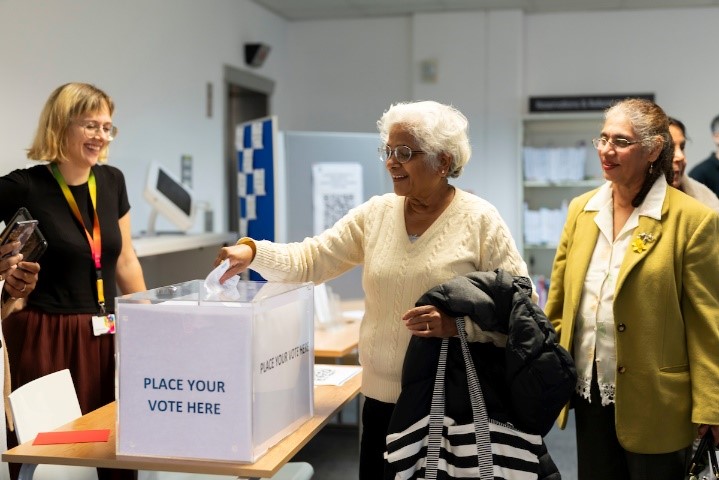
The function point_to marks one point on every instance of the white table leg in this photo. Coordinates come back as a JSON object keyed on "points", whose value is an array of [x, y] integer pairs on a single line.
{"points": [[26, 471]]}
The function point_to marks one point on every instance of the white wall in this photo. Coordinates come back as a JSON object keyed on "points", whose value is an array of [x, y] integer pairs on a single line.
{"points": [[342, 75], [345, 73], [479, 74], [666, 52], [154, 58]]}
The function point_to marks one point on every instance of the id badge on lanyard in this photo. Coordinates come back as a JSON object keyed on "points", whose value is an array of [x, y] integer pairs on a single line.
{"points": [[102, 323]]}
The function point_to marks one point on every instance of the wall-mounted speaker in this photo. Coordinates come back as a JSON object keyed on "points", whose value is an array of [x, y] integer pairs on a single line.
{"points": [[256, 53]]}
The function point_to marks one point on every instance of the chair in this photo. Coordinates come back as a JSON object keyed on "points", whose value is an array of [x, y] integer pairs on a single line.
{"points": [[45, 404]]}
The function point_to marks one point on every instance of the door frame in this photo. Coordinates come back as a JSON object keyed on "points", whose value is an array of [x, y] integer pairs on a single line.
{"points": [[233, 78]]}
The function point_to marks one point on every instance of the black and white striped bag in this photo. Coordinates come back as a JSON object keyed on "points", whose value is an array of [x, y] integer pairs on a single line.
{"points": [[436, 448]]}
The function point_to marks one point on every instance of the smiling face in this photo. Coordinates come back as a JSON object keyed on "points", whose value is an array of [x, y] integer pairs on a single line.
{"points": [[414, 178], [623, 166], [83, 150], [679, 163]]}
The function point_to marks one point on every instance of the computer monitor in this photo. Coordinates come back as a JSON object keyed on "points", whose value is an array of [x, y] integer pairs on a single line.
{"points": [[169, 197]]}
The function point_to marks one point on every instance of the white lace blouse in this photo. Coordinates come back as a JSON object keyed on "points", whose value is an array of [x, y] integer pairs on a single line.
{"points": [[594, 334]]}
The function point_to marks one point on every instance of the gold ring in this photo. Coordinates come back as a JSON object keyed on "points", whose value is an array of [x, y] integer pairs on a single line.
{"points": [[23, 288], [2, 277], [427, 329]]}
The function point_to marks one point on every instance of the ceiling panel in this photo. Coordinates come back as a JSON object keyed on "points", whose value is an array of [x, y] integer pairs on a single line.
{"points": [[329, 9], [666, 3], [539, 6], [487, 4], [397, 3]]}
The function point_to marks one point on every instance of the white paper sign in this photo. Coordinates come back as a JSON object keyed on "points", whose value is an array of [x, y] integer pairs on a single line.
{"points": [[241, 184], [251, 205], [184, 372], [257, 135], [335, 374], [336, 188], [248, 158], [258, 181]]}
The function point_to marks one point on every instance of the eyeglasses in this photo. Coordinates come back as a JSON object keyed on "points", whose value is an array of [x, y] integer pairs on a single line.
{"points": [[402, 153], [617, 143], [94, 129]]}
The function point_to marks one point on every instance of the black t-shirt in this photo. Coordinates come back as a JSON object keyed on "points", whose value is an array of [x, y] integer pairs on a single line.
{"points": [[66, 282]]}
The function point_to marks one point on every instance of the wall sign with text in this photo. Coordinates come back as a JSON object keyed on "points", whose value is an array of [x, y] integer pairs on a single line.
{"points": [[580, 103]]}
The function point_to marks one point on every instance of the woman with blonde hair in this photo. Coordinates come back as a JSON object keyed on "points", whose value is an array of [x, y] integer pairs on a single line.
{"points": [[84, 213]]}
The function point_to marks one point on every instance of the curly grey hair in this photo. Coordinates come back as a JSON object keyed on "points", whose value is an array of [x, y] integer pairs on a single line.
{"points": [[438, 128]]}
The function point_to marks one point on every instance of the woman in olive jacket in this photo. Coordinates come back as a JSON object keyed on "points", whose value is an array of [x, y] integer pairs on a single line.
{"points": [[634, 296]]}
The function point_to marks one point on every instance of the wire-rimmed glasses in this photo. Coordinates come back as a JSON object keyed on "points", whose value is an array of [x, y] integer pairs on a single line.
{"points": [[402, 153], [618, 143], [94, 129]]}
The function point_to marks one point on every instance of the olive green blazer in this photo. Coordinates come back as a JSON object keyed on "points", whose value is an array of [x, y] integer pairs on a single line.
{"points": [[666, 315]]}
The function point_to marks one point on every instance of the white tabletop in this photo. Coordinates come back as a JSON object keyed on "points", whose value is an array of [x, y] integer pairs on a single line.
{"points": [[159, 244]]}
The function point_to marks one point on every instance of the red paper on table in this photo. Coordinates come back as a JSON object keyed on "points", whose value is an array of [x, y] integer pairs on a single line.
{"points": [[74, 436]]}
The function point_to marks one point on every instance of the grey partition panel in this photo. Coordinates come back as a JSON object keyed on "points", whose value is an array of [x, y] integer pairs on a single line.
{"points": [[304, 149]]}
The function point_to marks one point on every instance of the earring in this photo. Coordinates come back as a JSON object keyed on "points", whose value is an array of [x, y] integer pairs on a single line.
{"points": [[651, 168]]}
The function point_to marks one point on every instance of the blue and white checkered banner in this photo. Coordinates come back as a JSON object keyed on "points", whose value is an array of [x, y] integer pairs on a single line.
{"points": [[255, 142]]}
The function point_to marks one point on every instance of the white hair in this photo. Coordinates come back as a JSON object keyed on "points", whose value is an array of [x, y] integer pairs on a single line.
{"points": [[437, 128]]}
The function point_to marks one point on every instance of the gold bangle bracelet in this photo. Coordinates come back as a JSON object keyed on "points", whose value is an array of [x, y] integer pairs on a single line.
{"points": [[250, 243]]}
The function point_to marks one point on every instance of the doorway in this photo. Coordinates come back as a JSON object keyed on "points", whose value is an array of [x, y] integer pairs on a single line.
{"points": [[246, 97]]}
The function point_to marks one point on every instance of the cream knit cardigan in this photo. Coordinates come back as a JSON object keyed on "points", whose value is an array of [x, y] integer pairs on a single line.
{"points": [[468, 236]]}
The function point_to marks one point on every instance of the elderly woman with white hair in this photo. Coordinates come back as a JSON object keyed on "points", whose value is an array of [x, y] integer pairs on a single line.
{"points": [[423, 234]]}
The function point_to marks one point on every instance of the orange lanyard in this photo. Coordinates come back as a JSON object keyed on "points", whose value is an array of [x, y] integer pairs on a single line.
{"points": [[94, 239]]}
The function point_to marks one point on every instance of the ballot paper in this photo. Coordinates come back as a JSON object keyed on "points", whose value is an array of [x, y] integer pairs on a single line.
{"points": [[335, 374]]}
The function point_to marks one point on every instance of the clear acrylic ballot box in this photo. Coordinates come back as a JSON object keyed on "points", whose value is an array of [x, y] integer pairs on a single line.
{"points": [[213, 376]]}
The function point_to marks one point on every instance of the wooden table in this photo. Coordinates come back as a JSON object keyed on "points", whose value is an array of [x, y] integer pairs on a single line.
{"points": [[328, 401], [339, 340]]}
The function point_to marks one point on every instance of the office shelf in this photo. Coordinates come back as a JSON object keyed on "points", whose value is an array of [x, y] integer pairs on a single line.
{"points": [[558, 163]]}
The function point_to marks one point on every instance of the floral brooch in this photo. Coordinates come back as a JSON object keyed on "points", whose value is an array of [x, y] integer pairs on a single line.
{"points": [[639, 244]]}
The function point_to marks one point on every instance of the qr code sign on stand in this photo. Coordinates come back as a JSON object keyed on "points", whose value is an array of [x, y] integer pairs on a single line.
{"points": [[336, 189], [336, 207]]}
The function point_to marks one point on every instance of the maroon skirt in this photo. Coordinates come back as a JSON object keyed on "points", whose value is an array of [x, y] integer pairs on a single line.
{"points": [[41, 343]]}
